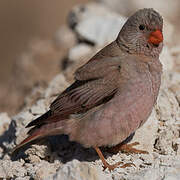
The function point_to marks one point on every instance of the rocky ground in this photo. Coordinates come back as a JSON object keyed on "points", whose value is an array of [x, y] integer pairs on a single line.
{"points": [[91, 28]]}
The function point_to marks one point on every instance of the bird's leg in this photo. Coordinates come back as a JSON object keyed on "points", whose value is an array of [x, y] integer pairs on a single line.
{"points": [[127, 148], [107, 165]]}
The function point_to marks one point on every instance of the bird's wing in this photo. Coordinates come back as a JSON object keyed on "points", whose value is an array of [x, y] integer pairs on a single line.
{"points": [[95, 84], [95, 81], [98, 68]]}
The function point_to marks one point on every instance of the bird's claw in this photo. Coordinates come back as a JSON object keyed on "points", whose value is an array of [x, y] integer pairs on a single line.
{"points": [[127, 148]]}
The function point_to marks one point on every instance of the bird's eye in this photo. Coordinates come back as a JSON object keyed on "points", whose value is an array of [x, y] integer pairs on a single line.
{"points": [[141, 27]]}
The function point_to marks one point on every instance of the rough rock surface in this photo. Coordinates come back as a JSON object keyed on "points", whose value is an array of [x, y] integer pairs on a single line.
{"points": [[94, 23], [76, 170], [56, 157]]}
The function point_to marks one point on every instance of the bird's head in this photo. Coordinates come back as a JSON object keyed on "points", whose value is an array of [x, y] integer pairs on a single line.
{"points": [[142, 33]]}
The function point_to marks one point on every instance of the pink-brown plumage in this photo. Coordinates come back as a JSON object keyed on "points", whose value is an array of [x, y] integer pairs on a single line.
{"points": [[114, 92]]}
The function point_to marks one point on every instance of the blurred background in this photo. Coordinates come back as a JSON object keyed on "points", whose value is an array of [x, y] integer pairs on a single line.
{"points": [[36, 36], [21, 21]]}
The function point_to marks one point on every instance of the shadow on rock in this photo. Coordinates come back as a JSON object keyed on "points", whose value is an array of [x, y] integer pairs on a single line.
{"points": [[60, 148], [8, 137], [67, 151]]}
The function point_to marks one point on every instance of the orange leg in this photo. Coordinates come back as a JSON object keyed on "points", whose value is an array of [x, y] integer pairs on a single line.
{"points": [[110, 167], [127, 148]]}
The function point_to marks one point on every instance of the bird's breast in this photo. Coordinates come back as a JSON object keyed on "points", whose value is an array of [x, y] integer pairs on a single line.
{"points": [[114, 121], [130, 109], [126, 112]]}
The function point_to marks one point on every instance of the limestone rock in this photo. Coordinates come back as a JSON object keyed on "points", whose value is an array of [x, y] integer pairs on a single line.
{"points": [[79, 52], [79, 170], [38, 108], [168, 32], [56, 86], [97, 24], [168, 112], [9, 169], [166, 59], [44, 169], [146, 135], [175, 51], [65, 38]]}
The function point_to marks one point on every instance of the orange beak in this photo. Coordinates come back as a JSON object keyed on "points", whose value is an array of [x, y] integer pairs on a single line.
{"points": [[156, 37]]}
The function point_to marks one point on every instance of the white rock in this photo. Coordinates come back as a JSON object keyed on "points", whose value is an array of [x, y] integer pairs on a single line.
{"points": [[98, 25], [57, 85], [65, 38], [167, 105], [166, 59], [39, 108], [79, 170], [152, 174], [168, 32], [82, 12], [100, 30], [44, 169], [23, 117], [146, 134], [9, 169], [79, 51], [21, 120], [175, 78], [174, 85], [175, 51], [36, 153], [168, 112], [23, 178]]}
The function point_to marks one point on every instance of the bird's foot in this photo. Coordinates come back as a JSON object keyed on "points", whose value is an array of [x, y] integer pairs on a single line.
{"points": [[112, 167], [127, 148], [107, 165]]}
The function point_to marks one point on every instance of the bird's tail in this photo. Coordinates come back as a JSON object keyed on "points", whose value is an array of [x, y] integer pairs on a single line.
{"points": [[44, 130]]}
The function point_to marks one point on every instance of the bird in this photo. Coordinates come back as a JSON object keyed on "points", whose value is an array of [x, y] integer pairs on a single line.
{"points": [[113, 94]]}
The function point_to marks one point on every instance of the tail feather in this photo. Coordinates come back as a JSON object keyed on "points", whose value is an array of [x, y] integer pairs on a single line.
{"points": [[26, 141], [42, 131]]}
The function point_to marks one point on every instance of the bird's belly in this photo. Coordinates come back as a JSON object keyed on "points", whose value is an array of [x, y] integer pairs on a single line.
{"points": [[118, 118], [130, 117], [123, 115]]}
